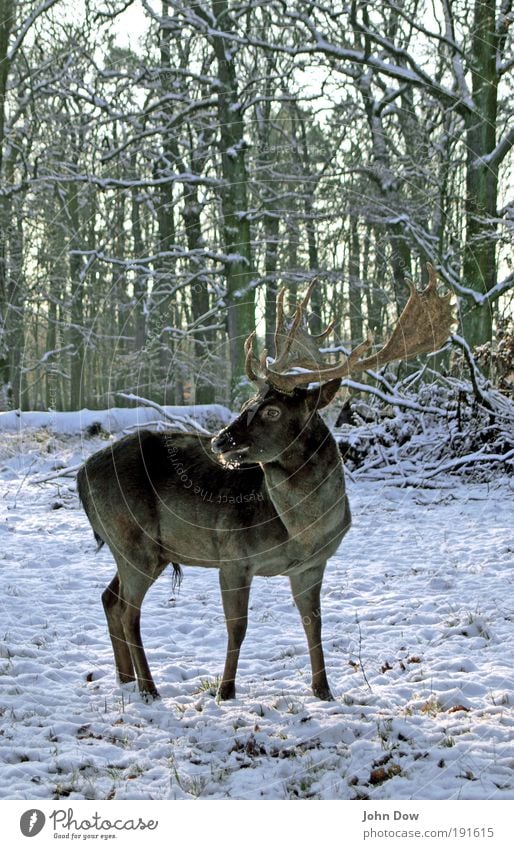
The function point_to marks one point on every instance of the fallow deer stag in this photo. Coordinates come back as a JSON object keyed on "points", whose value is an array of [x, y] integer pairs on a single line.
{"points": [[266, 496]]}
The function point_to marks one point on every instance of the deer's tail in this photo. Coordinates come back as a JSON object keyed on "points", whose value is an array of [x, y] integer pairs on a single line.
{"points": [[177, 576], [83, 492]]}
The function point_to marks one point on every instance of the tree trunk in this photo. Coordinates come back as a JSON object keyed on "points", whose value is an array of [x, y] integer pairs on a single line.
{"points": [[355, 285], [6, 26], [234, 199], [479, 263], [315, 320], [75, 331], [140, 283], [271, 235], [204, 386], [15, 324], [265, 163], [375, 301], [164, 312]]}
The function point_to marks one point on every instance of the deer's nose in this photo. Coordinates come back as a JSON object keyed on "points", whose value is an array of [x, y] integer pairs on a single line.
{"points": [[222, 442]]}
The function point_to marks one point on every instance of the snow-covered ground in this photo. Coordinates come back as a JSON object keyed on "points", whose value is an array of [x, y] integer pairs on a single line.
{"points": [[418, 613]]}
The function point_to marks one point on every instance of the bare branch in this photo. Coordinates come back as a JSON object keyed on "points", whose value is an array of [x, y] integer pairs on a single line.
{"points": [[26, 25], [493, 159]]}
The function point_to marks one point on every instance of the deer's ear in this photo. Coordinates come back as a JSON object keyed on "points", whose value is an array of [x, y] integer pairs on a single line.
{"points": [[322, 395]]}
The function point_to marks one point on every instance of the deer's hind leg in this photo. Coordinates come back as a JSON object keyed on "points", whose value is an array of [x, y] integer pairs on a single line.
{"points": [[136, 578], [114, 606]]}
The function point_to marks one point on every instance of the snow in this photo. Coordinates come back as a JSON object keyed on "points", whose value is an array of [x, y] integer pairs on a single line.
{"points": [[113, 420], [417, 613]]}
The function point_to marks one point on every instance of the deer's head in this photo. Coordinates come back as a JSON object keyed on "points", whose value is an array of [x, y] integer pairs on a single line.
{"points": [[270, 423], [274, 418]]}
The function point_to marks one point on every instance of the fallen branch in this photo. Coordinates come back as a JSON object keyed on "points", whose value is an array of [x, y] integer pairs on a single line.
{"points": [[173, 419], [393, 400], [395, 477], [158, 423], [476, 457]]}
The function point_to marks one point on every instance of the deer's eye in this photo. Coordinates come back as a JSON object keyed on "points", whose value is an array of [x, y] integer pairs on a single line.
{"points": [[271, 413]]}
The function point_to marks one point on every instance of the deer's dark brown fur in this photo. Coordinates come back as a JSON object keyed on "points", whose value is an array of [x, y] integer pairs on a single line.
{"points": [[160, 498]]}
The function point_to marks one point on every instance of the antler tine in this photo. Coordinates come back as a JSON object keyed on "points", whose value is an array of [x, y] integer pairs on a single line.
{"points": [[250, 358], [297, 320], [288, 336], [432, 276], [323, 335], [279, 321], [308, 294], [300, 312], [357, 352], [284, 338]]}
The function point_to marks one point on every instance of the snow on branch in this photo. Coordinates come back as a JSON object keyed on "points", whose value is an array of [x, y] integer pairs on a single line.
{"points": [[493, 159], [26, 25], [482, 456], [113, 183]]}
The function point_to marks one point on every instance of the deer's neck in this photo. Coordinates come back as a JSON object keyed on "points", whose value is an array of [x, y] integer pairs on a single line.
{"points": [[306, 487]]}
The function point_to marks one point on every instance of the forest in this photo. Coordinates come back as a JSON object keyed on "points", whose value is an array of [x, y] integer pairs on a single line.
{"points": [[174, 177], [167, 166]]}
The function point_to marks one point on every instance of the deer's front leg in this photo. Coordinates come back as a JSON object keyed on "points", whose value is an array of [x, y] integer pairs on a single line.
{"points": [[235, 591], [306, 589]]}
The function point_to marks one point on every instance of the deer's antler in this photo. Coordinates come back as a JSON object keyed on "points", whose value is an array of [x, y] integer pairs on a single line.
{"points": [[423, 326]]}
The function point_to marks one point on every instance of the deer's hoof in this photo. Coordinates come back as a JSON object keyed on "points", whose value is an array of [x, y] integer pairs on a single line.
{"points": [[227, 691], [150, 696], [126, 677], [323, 693]]}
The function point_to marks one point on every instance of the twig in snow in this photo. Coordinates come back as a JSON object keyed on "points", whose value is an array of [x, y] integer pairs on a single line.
{"points": [[62, 473], [24, 478], [361, 664]]}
